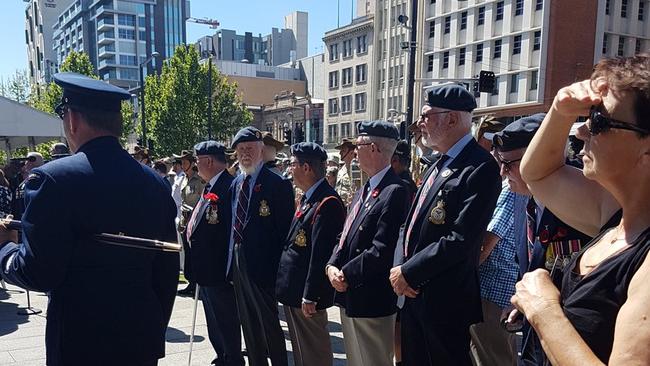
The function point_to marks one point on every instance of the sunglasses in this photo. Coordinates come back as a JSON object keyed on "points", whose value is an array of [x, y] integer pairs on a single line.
{"points": [[598, 123], [60, 110]]}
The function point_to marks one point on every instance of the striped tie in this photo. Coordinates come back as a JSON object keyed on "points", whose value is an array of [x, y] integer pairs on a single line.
{"points": [[195, 212], [242, 208], [531, 226], [353, 214], [423, 195]]}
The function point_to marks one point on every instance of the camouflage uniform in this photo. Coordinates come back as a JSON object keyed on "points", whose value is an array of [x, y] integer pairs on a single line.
{"points": [[191, 191]]}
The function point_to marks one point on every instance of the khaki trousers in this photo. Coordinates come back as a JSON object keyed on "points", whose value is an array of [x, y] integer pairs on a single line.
{"points": [[368, 341]]}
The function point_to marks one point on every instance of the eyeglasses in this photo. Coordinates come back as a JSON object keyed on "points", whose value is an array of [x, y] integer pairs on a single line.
{"points": [[60, 110], [507, 163], [363, 144], [425, 115], [598, 123]]}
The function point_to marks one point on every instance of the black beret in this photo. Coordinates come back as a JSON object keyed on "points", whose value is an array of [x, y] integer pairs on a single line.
{"points": [[247, 134], [453, 97], [210, 148], [378, 129], [87, 93], [309, 150], [518, 134], [403, 149]]}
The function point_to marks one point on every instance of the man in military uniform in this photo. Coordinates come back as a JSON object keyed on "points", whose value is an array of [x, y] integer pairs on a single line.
{"points": [[302, 286], [262, 206], [345, 186], [59, 150], [358, 269], [400, 163], [87, 322], [32, 160], [191, 190], [271, 149], [439, 246], [208, 233]]}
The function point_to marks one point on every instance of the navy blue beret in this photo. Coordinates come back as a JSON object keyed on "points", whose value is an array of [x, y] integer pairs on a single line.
{"points": [[453, 97], [87, 93], [518, 134], [247, 134], [378, 129], [210, 148], [309, 150]]}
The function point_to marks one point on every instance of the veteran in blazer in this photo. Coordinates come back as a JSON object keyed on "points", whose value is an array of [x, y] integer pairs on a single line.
{"points": [[208, 237], [262, 208], [359, 266], [438, 251], [302, 286]]}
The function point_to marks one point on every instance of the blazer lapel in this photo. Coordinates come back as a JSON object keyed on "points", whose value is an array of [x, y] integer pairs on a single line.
{"points": [[254, 200], [367, 206]]}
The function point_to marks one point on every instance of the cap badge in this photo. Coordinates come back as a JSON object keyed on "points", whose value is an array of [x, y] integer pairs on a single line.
{"points": [[264, 209]]}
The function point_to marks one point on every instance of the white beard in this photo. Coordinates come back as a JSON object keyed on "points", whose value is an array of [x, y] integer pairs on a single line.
{"points": [[247, 170]]}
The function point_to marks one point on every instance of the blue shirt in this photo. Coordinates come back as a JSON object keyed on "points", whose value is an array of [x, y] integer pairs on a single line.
{"points": [[499, 272], [312, 189], [453, 152]]}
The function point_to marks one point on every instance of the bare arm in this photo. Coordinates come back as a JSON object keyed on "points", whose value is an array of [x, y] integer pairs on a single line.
{"points": [[576, 200], [489, 242]]}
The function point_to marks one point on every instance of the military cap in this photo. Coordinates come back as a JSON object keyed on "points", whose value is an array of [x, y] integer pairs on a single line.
{"points": [[518, 134], [247, 134], [487, 127], [453, 97], [185, 154], [378, 129], [308, 150], [403, 149], [334, 159], [210, 147], [84, 92], [60, 149], [346, 143], [268, 139]]}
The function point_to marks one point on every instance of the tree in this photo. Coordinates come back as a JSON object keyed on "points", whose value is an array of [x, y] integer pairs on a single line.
{"points": [[16, 87], [177, 104]]}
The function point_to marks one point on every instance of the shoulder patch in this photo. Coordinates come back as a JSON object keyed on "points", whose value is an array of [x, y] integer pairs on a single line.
{"points": [[34, 180]]}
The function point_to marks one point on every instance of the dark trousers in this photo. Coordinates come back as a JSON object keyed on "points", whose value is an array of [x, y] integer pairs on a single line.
{"points": [[532, 353], [425, 343], [223, 322], [258, 311]]}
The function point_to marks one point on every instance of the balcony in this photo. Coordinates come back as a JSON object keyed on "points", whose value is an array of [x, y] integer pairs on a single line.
{"points": [[106, 51], [109, 62], [104, 9], [105, 24], [106, 38]]}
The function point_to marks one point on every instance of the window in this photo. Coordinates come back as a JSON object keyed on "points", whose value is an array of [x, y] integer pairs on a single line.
{"points": [[496, 86], [461, 57], [641, 9], [623, 8], [497, 49], [539, 5], [533, 80], [447, 25], [333, 106], [128, 60], [346, 105], [514, 83], [445, 59], [347, 48], [479, 52], [519, 7], [537, 40], [621, 46], [463, 20], [334, 52], [430, 64], [516, 47], [345, 130], [499, 12], [481, 16], [606, 7], [142, 35], [334, 79], [360, 102], [391, 75], [346, 77], [125, 19], [361, 73], [333, 134], [362, 45], [401, 74], [142, 22], [380, 78], [129, 74], [605, 44], [432, 29], [637, 46], [126, 33]]}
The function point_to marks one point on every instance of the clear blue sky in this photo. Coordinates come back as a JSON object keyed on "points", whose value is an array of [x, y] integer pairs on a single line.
{"points": [[256, 16]]}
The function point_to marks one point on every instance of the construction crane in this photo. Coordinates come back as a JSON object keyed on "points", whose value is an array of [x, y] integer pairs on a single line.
{"points": [[214, 24]]}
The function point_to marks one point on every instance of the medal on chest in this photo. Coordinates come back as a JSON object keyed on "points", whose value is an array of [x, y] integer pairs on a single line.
{"points": [[301, 238], [438, 213], [212, 214], [264, 209]]}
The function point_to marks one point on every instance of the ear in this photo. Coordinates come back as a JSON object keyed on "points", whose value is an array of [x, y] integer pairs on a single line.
{"points": [[74, 121], [453, 118]]}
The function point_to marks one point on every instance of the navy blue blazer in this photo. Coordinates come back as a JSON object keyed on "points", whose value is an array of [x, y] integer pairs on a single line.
{"points": [[265, 230], [107, 304], [312, 237], [208, 252], [368, 250], [442, 257]]}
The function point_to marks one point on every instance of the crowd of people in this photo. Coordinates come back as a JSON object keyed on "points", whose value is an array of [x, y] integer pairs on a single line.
{"points": [[538, 228]]}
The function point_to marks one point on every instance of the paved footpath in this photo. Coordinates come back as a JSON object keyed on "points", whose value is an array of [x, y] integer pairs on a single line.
{"points": [[22, 338]]}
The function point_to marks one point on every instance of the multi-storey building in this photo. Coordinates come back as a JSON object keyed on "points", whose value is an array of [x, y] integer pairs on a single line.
{"points": [[118, 35], [312, 72], [227, 45], [297, 22], [40, 15], [534, 47], [348, 78]]}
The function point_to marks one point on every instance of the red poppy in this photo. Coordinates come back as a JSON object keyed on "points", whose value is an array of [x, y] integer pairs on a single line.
{"points": [[298, 214], [213, 198], [544, 236], [258, 187], [375, 193]]}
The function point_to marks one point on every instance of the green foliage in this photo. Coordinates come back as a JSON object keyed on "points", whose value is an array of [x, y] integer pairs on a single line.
{"points": [[16, 87], [177, 104]]}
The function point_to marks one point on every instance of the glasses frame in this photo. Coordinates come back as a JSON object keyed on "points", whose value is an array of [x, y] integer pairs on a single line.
{"points": [[60, 110], [599, 123], [425, 115], [506, 163]]}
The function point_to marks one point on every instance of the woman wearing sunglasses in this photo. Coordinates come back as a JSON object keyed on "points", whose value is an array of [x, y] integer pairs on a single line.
{"points": [[602, 314]]}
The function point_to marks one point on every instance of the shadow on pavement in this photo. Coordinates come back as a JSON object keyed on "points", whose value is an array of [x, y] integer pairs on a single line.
{"points": [[9, 320], [174, 335]]}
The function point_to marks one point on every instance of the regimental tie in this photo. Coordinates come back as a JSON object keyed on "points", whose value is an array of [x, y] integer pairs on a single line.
{"points": [[195, 212], [242, 207], [531, 226], [353, 214], [423, 196]]}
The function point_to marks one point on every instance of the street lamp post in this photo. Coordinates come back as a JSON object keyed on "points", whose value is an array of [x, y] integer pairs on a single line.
{"points": [[142, 105]]}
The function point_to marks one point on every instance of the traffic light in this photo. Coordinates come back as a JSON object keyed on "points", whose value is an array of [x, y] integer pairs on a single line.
{"points": [[299, 134], [287, 137], [486, 81]]}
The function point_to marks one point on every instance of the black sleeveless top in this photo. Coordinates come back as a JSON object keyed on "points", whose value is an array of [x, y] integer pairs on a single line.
{"points": [[591, 302]]}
